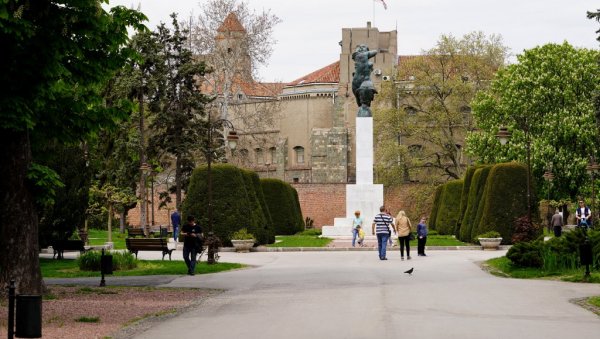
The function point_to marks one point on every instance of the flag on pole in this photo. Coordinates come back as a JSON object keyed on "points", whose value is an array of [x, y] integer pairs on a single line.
{"points": [[382, 2]]}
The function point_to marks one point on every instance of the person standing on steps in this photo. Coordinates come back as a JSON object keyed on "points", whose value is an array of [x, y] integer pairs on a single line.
{"points": [[381, 227], [422, 237], [403, 229], [357, 222], [557, 223]]}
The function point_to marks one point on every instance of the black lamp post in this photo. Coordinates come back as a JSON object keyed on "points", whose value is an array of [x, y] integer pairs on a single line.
{"points": [[503, 136], [549, 176], [592, 168], [232, 139]]}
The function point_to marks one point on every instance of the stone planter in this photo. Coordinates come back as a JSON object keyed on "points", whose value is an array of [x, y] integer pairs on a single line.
{"points": [[243, 246], [490, 244]]}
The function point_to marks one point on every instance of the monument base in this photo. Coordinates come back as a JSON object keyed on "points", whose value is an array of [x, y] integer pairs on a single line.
{"points": [[366, 198]]}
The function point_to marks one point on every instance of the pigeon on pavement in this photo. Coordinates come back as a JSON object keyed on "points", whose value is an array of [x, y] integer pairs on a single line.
{"points": [[410, 271]]}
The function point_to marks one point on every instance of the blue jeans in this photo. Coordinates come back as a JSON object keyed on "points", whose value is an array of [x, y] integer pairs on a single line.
{"points": [[382, 240], [354, 235], [176, 233], [189, 255]]}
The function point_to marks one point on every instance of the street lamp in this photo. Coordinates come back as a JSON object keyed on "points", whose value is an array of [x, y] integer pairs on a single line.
{"points": [[145, 169], [232, 139], [592, 168], [549, 177], [503, 136]]}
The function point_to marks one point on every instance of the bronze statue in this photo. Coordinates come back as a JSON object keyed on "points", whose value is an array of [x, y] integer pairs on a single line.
{"points": [[362, 86]]}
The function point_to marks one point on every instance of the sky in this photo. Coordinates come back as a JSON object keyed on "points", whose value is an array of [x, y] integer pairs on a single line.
{"points": [[308, 36]]}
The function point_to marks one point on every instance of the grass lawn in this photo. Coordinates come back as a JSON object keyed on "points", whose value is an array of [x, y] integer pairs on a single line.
{"points": [[439, 240], [68, 268], [99, 237], [504, 268], [594, 301], [300, 241]]}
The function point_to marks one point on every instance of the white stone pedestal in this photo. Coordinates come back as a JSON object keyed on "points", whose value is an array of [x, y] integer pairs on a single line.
{"points": [[364, 196]]}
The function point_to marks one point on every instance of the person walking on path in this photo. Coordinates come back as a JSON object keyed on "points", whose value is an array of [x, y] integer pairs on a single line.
{"points": [[357, 223], [176, 222], [557, 223], [381, 227], [422, 237], [192, 233], [403, 229]]}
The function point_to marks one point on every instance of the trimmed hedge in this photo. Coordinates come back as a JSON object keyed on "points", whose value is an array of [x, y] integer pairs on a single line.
{"points": [[261, 200], [297, 208], [464, 197], [232, 205], [474, 197], [435, 207], [505, 199], [283, 206], [449, 207], [258, 225]]}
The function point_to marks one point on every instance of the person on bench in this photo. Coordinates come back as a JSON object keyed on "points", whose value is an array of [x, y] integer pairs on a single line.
{"points": [[192, 234]]}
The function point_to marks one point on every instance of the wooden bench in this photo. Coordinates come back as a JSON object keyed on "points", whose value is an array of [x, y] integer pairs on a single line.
{"points": [[148, 244], [59, 246], [135, 232]]}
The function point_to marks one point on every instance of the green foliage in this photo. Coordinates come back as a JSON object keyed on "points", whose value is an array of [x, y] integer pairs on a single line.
{"points": [[242, 235], [258, 224], [526, 254], [505, 199], [59, 219], [312, 231], [281, 198], [490, 234], [427, 108], [300, 241], [435, 207], [480, 197], [474, 196], [449, 207], [550, 92], [90, 261], [231, 205], [464, 197]]}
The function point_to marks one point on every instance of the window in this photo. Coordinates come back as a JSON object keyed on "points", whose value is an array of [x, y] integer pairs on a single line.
{"points": [[260, 157], [272, 155], [299, 150]]}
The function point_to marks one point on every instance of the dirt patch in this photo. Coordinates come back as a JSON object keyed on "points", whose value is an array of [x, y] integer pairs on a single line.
{"points": [[112, 309]]}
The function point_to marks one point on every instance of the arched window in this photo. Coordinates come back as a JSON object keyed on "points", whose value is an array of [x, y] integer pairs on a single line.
{"points": [[299, 151], [260, 157]]}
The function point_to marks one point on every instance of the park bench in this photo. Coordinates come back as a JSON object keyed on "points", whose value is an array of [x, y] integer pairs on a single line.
{"points": [[59, 246], [148, 244], [135, 232]]}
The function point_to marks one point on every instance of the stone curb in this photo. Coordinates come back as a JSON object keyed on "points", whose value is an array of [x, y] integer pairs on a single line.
{"points": [[354, 249]]}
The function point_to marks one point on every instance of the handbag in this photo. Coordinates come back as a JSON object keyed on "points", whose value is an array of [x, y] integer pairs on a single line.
{"points": [[411, 236]]}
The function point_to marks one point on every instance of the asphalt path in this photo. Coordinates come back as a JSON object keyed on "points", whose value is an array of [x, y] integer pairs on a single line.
{"points": [[355, 295]]}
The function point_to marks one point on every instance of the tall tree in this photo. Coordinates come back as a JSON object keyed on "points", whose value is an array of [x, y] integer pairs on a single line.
{"points": [[234, 41], [178, 118], [550, 93], [55, 57], [423, 116]]}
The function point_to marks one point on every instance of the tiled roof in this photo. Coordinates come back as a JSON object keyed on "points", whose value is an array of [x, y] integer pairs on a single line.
{"points": [[260, 89], [231, 24], [327, 74]]}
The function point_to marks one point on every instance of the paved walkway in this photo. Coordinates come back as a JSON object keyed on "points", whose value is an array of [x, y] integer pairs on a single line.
{"points": [[355, 295]]}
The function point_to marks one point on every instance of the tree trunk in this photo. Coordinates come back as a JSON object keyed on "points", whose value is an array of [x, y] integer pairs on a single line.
{"points": [[177, 182], [122, 216], [19, 247], [143, 172]]}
